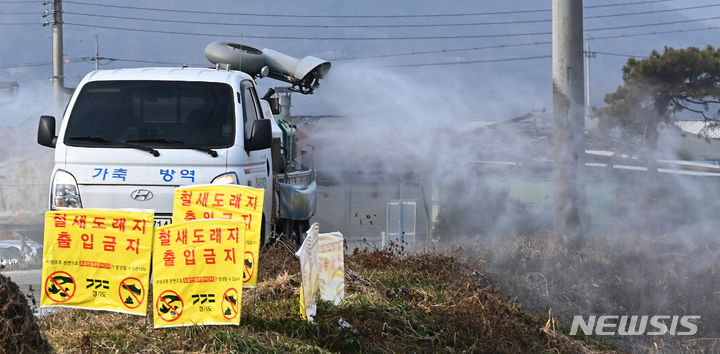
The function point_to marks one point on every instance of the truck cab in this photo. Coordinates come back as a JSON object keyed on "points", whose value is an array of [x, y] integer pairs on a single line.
{"points": [[131, 136]]}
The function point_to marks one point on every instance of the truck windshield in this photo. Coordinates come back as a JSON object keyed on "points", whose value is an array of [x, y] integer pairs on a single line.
{"points": [[153, 113]]}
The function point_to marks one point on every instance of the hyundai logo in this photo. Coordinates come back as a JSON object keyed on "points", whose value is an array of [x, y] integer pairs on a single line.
{"points": [[141, 194]]}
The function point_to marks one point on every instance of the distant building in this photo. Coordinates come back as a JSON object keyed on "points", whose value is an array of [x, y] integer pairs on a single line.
{"points": [[502, 181], [693, 140], [372, 201], [702, 128]]}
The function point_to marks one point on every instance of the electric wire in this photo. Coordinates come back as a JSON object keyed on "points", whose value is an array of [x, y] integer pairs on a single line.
{"points": [[352, 16], [620, 55], [215, 23], [205, 34], [25, 65], [654, 24], [475, 61], [502, 35], [404, 38], [653, 33], [440, 51], [420, 25]]}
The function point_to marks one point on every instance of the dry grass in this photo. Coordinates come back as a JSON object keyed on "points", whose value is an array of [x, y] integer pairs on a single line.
{"points": [[418, 303], [634, 275]]}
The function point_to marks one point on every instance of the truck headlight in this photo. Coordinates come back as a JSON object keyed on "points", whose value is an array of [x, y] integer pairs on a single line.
{"points": [[225, 178], [65, 192]]}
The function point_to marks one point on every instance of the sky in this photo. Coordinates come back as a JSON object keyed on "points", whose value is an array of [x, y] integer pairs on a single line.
{"points": [[492, 57]]}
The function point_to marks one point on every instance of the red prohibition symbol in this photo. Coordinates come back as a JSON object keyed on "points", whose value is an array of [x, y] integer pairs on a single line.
{"points": [[132, 292], [230, 304], [60, 286], [249, 265], [169, 306]]}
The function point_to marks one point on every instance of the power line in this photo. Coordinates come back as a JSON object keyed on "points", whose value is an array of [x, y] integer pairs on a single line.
{"points": [[147, 61], [20, 13], [503, 35], [503, 60], [16, 66], [305, 16], [440, 51], [621, 55], [78, 60], [353, 16], [651, 11], [156, 62], [475, 61], [25, 65], [625, 4], [532, 43], [653, 24], [216, 23], [655, 33], [310, 38], [19, 23]]}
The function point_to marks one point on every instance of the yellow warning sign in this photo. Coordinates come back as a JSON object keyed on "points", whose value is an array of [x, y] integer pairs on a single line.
{"points": [[97, 259], [197, 272], [232, 202]]}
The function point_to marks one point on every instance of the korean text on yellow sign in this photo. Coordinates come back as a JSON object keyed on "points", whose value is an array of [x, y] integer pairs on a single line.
{"points": [[97, 259], [197, 273], [230, 202]]}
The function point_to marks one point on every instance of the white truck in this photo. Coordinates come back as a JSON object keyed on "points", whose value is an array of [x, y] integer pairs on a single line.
{"points": [[129, 137]]}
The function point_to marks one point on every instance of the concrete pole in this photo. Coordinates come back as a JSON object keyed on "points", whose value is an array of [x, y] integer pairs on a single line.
{"points": [[568, 117], [97, 53], [587, 77], [58, 73]]}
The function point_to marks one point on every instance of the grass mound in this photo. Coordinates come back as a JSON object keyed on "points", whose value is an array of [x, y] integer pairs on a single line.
{"points": [[19, 333], [394, 303]]}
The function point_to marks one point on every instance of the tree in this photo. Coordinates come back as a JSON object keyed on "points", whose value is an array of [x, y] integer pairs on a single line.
{"points": [[657, 87]]}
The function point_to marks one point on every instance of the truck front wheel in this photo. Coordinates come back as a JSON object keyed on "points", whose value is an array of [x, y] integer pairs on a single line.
{"points": [[295, 229]]}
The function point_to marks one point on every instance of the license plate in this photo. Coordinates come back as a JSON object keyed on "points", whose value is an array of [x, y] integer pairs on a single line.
{"points": [[162, 221]]}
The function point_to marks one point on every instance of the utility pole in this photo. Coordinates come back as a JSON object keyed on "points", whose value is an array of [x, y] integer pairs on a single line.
{"points": [[97, 56], [588, 54], [58, 73], [97, 53], [568, 117]]}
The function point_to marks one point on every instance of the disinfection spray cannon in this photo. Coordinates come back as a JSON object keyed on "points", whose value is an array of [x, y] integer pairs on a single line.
{"points": [[303, 74]]}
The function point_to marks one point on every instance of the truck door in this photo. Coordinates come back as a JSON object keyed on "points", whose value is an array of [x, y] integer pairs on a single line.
{"points": [[257, 171], [251, 106], [258, 174]]}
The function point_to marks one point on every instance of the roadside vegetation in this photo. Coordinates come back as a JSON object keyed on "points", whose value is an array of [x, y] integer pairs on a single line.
{"points": [[394, 303]]}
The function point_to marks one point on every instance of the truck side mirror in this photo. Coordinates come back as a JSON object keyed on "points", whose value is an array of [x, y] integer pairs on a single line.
{"points": [[260, 136], [46, 132]]}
